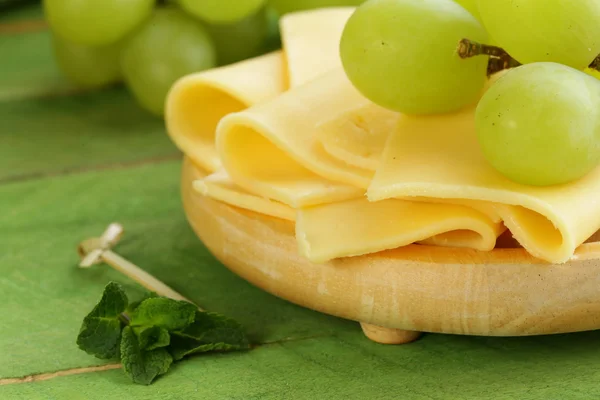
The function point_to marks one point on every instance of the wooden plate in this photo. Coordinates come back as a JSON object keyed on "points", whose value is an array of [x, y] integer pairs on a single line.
{"points": [[397, 294]]}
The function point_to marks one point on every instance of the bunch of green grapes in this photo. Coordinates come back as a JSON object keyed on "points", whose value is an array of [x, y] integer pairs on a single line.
{"points": [[539, 123], [149, 44]]}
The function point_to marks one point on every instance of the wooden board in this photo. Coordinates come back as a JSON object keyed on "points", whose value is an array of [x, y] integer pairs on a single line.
{"points": [[505, 292]]}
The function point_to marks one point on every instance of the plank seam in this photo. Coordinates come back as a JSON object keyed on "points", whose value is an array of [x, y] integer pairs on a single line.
{"points": [[85, 370], [94, 168], [25, 26], [49, 375]]}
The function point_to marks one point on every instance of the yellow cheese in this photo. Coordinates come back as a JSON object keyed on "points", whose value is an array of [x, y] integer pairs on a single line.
{"points": [[311, 40], [439, 157], [271, 148], [310, 153], [358, 136], [197, 102], [490, 210], [358, 227], [220, 187], [303, 62]]}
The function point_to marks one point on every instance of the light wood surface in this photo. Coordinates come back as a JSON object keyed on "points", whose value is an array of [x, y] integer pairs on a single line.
{"points": [[388, 336], [416, 288]]}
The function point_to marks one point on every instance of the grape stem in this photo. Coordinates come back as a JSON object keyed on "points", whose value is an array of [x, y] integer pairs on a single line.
{"points": [[596, 63], [499, 58]]}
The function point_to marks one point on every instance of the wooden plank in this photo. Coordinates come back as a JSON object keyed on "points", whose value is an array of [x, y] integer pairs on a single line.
{"points": [[347, 366], [53, 135], [28, 67]]}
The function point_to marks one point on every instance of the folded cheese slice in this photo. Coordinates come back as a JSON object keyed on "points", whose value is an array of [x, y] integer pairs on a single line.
{"points": [[271, 148], [358, 227], [311, 41], [197, 102], [439, 157], [358, 135], [220, 187]]}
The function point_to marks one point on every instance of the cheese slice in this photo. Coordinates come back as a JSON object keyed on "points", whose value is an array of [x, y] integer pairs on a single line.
{"points": [[490, 210], [271, 148], [311, 40], [197, 102], [358, 136], [220, 187], [358, 227], [439, 157]]}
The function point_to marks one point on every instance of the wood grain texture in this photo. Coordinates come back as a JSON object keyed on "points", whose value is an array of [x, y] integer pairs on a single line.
{"points": [[505, 292]]}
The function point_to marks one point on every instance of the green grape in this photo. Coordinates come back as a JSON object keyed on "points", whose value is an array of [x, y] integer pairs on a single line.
{"points": [[96, 22], [401, 54], [538, 124], [470, 6], [241, 40], [562, 31], [287, 6], [215, 11], [169, 45], [88, 66]]}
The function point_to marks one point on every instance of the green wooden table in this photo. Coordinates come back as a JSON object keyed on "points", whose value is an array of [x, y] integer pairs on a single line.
{"points": [[72, 162]]}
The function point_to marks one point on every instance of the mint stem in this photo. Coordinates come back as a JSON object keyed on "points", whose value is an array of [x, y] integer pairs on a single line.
{"points": [[124, 318]]}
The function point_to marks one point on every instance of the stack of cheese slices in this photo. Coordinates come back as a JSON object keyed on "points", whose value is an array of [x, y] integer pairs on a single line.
{"points": [[287, 135]]}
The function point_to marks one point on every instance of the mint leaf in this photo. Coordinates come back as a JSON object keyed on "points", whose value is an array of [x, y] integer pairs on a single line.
{"points": [[163, 312], [153, 337], [208, 332], [135, 304], [142, 366], [182, 347], [100, 333]]}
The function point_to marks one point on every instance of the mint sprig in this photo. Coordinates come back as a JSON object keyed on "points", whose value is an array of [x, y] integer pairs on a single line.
{"points": [[148, 335], [208, 332], [100, 333]]}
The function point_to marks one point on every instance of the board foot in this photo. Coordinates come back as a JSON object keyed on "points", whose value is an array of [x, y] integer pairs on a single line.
{"points": [[387, 335]]}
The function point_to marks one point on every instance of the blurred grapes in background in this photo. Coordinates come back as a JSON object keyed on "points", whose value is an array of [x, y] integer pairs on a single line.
{"points": [[7, 5], [286, 6], [149, 44]]}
